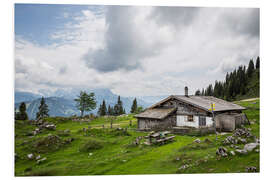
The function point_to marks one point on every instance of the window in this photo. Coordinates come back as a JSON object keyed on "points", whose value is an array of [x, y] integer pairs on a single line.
{"points": [[190, 117], [202, 121]]}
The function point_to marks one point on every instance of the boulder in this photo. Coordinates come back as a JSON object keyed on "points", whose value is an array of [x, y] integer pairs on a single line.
{"points": [[222, 151], [242, 140], [230, 140], [242, 132], [197, 140], [250, 146], [50, 126]]}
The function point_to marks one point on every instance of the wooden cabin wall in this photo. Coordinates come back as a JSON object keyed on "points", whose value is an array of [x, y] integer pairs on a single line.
{"points": [[156, 124]]}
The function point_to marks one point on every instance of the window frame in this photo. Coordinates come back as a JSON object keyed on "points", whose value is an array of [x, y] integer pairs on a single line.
{"points": [[190, 118], [202, 120]]}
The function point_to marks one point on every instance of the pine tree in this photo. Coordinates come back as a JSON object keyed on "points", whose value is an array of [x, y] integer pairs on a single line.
{"points": [[118, 108], [203, 93], [110, 111], [250, 69], [198, 93], [103, 111], [134, 106], [21, 115], [99, 110], [42, 109], [258, 63]]}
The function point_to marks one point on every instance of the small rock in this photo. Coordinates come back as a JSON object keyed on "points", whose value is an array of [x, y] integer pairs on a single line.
{"points": [[38, 157], [257, 150], [16, 156], [185, 166], [90, 154], [30, 156], [197, 140], [41, 160], [232, 153], [251, 169], [241, 151], [222, 151], [66, 131], [207, 140], [124, 160]]}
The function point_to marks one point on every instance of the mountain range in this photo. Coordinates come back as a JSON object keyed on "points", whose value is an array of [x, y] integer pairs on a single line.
{"points": [[62, 103]]}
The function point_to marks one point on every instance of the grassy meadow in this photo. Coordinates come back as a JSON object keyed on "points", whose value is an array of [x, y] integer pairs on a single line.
{"points": [[94, 150]]}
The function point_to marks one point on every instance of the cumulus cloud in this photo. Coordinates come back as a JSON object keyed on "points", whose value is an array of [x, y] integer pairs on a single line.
{"points": [[178, 17], [242, 21], [129, 40], [154, 50]]}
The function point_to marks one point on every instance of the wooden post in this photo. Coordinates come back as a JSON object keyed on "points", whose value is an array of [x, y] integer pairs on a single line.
{"points": [[213, 114], [103, 126], [130, 123], [111, 122]]}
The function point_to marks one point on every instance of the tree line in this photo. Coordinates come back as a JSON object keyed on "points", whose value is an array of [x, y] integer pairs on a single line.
{"points": [[43, 111], [84, 102], [242, 82], [118, 109]]}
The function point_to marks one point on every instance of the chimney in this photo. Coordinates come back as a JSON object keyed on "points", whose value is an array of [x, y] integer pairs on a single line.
{"points": [[186, 91]]}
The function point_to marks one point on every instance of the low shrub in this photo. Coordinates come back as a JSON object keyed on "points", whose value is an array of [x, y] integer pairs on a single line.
{"points": [[119, 132], [49, 143], [91, 145], [63, 133], [196, 146], [43, 172]]}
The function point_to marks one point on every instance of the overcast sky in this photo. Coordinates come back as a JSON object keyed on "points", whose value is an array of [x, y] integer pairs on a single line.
{"points": [[131, 50]]}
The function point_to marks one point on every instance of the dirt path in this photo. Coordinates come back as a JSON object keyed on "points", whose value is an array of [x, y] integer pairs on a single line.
{"points": [[251, 99]]}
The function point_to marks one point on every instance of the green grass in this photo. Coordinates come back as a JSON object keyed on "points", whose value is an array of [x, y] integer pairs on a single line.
{"points": [[101, 151]]}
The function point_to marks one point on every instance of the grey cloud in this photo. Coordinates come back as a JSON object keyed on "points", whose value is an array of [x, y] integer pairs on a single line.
{"points": [[19, 67], [63, 70], [174, 16], [125, 46], [242, 22]]}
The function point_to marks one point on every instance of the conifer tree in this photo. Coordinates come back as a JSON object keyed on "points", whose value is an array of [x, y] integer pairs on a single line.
{"points": [[103, 111], [99, 110], [21, 115], [198, 93], [42, 109], [258, 63], [118, 108], [110, 111], [250, 69], [134, 106]]}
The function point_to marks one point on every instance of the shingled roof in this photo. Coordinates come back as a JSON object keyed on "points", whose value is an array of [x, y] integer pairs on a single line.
{"points": [[156, 113], [203, 102]]}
